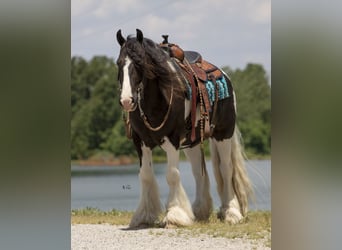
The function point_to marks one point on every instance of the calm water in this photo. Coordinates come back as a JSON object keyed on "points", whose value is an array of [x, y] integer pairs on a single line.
{"points": [[118, 187]]}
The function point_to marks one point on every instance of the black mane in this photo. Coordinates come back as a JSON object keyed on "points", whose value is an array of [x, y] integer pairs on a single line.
{"points": [[152, 60]]}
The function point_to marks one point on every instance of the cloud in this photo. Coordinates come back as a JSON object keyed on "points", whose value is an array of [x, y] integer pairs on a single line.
{"points": [[262, 12], [229, 32], [106, 8], [88, 31], [155, 24], [81, 7]]}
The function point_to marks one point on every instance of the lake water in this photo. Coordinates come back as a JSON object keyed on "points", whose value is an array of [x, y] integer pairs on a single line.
{"points": [[118, 187]]}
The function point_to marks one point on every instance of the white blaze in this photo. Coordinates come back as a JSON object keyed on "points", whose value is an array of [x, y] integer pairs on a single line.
{"points": [[126, 92]]}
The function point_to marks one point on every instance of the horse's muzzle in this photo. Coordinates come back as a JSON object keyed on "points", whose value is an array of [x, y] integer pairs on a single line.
{"points": [[128, 104]]}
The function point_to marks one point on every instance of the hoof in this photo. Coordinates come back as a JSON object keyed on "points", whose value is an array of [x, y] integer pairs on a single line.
{"points": [[140, 221], [201, 212], [176, 216], [230, 215]]}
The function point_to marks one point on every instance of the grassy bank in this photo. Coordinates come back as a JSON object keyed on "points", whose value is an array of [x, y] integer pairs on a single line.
{"points": [[257, 224]]}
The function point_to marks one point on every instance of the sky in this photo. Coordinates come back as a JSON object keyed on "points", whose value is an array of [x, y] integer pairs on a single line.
{"points": [[226, 32]]}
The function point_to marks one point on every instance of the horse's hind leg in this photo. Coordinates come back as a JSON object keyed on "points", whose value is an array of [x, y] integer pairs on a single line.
{"points": [[149, 207], [203, 204], [178, 207], [223, 171]]}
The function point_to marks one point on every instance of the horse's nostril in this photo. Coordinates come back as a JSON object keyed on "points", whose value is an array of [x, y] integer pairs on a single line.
{"points": [[127, 103]]}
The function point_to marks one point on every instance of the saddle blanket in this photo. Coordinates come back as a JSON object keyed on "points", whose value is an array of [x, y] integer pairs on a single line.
{"points": [[210, 86]]}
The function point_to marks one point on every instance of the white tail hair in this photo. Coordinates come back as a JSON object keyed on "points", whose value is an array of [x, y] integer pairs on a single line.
{"points": [[241, 183]]}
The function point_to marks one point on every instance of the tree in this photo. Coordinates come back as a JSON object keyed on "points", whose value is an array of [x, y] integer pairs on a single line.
{"points": [[253, 98], [96, 122], [117, 142], [94, 103]]}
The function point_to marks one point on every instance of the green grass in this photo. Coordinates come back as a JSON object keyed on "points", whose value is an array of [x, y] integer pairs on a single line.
{"points": [[95, 216], [257, 224]]}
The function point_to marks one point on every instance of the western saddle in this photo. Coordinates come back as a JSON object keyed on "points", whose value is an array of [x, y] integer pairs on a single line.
{"points": [[197, 71]]}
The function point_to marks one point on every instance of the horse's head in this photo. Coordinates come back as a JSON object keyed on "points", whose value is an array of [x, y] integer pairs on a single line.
{"points": [[142, 62], [130, 68]]}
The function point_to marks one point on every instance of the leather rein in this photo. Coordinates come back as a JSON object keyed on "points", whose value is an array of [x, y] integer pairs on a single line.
{"points": [[144, 117]]}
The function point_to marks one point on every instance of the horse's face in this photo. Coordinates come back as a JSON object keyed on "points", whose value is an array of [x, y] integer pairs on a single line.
{"points": [[130, 78], [130, 73]]}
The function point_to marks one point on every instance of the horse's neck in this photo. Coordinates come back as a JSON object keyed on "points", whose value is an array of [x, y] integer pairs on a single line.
{"points": [[153, 96]]}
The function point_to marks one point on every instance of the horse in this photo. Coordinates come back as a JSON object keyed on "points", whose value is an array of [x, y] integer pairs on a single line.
{"points": [[155, 96]]}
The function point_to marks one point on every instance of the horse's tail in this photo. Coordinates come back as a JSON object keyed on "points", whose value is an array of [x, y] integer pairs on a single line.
{"points": [[241, 183]]}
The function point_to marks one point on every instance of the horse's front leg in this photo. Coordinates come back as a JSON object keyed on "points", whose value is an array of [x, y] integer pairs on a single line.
{"points": [[178, 207], [149, 207]]}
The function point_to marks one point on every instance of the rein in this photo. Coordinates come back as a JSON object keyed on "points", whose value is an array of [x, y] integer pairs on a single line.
{"points": [[144, 117]]}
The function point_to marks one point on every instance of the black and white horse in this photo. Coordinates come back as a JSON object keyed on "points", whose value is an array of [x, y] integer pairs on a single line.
{"points": [[153, 92]]}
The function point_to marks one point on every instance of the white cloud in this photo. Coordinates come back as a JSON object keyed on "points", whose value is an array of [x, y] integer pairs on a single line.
{"points": [[123, 8], [230, 32], [87, 31], [262, 12], [81, 7], [155, 23], [101, 12], [254, 11]]}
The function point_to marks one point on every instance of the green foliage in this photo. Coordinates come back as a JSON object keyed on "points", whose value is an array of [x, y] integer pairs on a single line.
{"points": [[253, 96], [95, 109], [117, 142], [96, 122]]}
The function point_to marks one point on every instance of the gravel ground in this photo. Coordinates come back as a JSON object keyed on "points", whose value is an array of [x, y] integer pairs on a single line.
{"points": [[105, 236]]}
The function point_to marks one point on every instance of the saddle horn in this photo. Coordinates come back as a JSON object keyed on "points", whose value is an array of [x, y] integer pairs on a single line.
{"points": [[165, 41], [140, 36], [121, 40]]}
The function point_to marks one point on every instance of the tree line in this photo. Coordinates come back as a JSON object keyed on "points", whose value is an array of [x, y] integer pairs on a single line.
{"points": [[96, 117]]}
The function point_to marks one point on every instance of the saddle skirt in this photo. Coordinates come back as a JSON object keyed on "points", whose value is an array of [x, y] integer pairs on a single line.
{"points": [[210, 86]]}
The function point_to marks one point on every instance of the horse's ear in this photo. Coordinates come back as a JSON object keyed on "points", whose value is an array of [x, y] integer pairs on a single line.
{"points": [[120, 38], [140, 36]]}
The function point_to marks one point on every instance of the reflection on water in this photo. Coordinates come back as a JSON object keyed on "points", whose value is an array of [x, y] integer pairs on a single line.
{"points": [[118, 187]]}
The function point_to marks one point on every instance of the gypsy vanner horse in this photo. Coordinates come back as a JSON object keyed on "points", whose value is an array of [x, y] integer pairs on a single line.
{"points": [[156, 96]]}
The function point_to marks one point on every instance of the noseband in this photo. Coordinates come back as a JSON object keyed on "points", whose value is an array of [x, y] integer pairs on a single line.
{"points": [[144, 117]]}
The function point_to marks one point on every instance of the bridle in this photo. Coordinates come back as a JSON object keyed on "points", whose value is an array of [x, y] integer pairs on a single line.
{"points": [[144, 117]]}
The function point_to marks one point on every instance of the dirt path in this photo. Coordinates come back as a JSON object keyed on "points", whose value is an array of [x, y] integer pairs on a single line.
{"points": [[105, 236]]}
